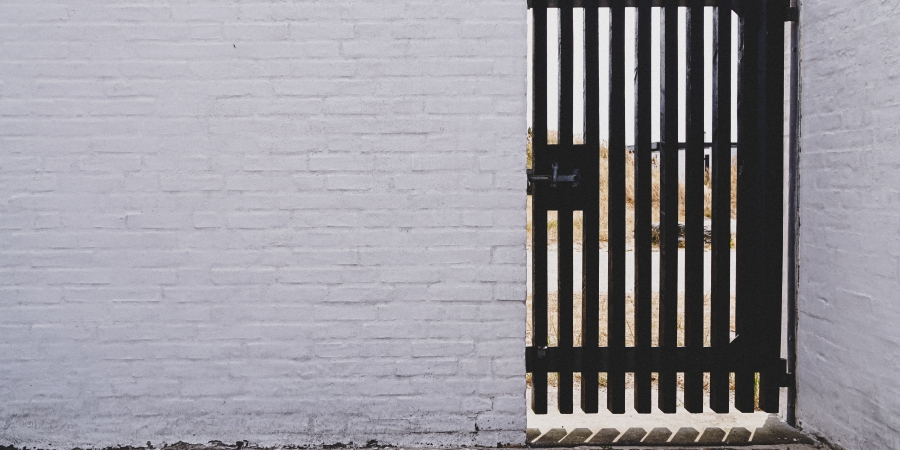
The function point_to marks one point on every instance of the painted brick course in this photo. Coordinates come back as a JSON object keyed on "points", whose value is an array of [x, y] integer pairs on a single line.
{"points": [[849, 240], [286, 222]]}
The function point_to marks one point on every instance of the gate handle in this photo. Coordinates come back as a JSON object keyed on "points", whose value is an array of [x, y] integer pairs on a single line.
{"points": [[573, 178]]}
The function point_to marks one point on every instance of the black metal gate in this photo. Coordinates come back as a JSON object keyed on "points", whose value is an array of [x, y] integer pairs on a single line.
{"points": [[564, 178]]}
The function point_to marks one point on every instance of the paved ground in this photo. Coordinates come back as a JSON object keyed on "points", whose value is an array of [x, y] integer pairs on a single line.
{"points": [[373, 445], [629, 270]]}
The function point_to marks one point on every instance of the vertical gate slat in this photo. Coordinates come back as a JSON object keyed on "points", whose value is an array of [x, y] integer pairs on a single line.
{"points": [[539, 303], [564, 229], [590, 302], [566, 56], [744, 389], [668, 199], [564, 233], [721, 203], [615, 398], [760, 191], [643, 208], [693, 295], [772, 231], [538, 205]]}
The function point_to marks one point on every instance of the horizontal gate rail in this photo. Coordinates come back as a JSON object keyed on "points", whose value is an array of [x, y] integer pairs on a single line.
{"points": [[653, 359], [657, 146]]}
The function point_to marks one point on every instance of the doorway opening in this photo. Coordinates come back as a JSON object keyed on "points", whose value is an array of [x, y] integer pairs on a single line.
{"points": [[656, 301]]}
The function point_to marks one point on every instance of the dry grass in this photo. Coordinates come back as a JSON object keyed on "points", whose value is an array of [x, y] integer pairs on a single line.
{"points": [[553, 137], [553, 319]]}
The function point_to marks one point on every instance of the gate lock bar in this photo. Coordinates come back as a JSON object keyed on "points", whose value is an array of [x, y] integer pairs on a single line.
{"points": [[542, 359], [574, 178]]}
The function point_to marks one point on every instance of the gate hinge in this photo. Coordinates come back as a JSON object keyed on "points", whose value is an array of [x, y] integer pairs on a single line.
{"points": [[554, 178], [788, 380], [792, 14]]}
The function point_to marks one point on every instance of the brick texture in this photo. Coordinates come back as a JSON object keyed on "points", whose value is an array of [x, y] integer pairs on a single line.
{"points": [[850, 226], [291, 222]]}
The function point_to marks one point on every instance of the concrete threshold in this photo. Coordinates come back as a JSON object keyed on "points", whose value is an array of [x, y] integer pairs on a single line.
{"points": [[682, 429]]}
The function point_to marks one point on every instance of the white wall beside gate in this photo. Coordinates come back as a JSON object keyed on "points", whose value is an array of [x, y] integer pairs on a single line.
{"points": [[848, 336], [286, 222]]}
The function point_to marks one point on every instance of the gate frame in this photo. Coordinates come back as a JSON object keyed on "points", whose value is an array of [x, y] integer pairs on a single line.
{"points": [[541, 359]]}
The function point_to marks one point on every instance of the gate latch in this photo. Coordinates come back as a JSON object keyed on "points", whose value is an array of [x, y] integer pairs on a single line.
{"points": [[573, 179]]}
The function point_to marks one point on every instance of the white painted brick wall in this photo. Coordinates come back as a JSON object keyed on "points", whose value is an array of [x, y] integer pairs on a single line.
{"points": [[291, 222], [849, 390]]}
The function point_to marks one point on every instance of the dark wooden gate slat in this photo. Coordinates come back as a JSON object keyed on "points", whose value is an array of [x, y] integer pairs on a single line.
{"points": [[744, 388], [772, 231], [538, 205], [720, 309], [760, 191], [566, 74], [564, 229], [643, 204], [615, 396], [668, 214], [564, 270], [539, 300], [590, 290], [693, 203]]}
